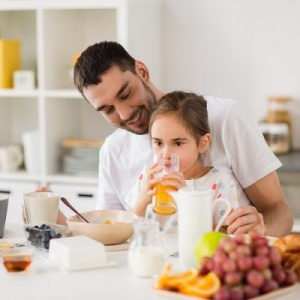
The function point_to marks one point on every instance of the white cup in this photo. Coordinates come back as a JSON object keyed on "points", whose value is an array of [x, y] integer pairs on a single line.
{"points": [[31, 143], [195, 217], [11, 158], [40, 207]]}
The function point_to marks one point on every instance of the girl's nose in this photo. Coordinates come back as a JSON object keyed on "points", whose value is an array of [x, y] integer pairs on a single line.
{"points": [[166, 153]]}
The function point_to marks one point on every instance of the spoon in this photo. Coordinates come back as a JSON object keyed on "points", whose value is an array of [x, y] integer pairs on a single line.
{"points": [[67, 203]]}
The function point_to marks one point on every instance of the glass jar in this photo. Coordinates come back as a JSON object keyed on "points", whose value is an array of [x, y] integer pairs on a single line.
{"points": [[279, 112], [147, 252], [279, 138]]}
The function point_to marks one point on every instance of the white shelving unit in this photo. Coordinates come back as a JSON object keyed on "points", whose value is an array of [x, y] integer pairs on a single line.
{"points": [[51, 33]]}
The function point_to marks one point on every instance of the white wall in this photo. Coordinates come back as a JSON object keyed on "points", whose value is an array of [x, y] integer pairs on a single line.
{"points": [[246, 50]]}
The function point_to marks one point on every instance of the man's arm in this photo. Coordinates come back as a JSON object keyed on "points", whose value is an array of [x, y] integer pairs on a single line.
{"points": [[271, 213], [267, 195]]}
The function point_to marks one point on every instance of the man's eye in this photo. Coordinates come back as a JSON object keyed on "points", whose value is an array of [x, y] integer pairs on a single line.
{"points": [[108, 110], [125, 96]]}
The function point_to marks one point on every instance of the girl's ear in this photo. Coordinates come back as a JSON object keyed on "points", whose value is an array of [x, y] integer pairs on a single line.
{"points": [[142, 70], [204, 143]]}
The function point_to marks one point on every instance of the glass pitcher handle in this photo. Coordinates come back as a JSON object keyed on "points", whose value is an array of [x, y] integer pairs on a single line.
{"points": [[226, 213]]}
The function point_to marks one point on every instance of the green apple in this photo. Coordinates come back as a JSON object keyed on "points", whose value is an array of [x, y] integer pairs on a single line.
{"points": [[208, 244]]}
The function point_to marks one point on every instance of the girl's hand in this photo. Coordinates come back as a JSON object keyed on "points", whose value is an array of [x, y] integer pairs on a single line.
{"points": [[148, 190], [174, 179], [244, 219]]}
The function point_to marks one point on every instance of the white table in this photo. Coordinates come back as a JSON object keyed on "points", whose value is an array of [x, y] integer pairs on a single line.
{"points": [[45, 281]]}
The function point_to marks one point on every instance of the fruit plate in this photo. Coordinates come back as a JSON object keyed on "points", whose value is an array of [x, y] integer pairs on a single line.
{"points": [[272, 295]]}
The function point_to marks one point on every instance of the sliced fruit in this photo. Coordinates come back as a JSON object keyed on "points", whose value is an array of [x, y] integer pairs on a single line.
{"points": [[162, 278], [167, 281], [177, 279], [205, 286]]}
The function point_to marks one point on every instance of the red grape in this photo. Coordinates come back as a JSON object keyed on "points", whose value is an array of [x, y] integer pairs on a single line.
{"points": [[219, 256], [236, 294], [240, 239], [244, 250], [233, 278], [250, 291], [279, 275], [260, 241], [290, 277], [245, 263], [255, 278], [262, 250], [270, 285], [222, 294], [228, 244], [275, 256], [229, 265], [261, 262]]}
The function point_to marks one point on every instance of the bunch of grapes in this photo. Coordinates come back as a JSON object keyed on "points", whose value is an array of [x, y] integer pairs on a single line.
{"points": [[247, 267]]}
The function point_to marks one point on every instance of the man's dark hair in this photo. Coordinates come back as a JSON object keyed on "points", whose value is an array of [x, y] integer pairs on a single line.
{"points": [[97, 60]]}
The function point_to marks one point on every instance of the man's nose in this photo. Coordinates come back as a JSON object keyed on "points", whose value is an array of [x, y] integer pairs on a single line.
{"points": [[124, 110]]}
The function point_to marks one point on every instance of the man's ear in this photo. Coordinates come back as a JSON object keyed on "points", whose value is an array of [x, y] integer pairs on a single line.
{"points": [[142, 70], [204, 143]]}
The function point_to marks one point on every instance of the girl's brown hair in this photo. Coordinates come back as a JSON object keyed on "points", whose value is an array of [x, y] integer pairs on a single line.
{"points": [[189, 108]]}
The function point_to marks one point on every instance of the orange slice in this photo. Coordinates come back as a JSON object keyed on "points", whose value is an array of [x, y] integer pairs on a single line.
{"points": [[185, 277], [167, 281], [205, 286]]}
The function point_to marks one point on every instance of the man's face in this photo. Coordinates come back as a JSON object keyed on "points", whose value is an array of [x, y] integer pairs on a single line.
{"points": [[124, 100]]}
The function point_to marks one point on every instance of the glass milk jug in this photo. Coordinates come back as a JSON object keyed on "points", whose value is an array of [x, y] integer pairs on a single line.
{"points": [[147, 252]]}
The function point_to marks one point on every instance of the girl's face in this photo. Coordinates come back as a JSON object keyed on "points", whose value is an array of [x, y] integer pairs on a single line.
{"points": [[168, 135]]}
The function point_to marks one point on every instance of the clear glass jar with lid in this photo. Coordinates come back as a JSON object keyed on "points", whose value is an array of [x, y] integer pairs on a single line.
{"points": [[279, 112], [279, 140]]}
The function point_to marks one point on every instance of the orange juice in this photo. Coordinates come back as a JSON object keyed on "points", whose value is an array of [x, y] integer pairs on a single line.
{"points": [[163, 203]]}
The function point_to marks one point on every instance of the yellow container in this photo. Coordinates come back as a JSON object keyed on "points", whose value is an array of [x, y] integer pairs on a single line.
{"points": [[10, 61]]}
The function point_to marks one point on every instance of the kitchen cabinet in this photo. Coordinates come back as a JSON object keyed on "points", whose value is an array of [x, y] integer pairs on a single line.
{"points": [[51, 33]]}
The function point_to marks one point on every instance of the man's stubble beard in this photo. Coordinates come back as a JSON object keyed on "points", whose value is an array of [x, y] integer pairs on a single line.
{"points": [[145, 109]]}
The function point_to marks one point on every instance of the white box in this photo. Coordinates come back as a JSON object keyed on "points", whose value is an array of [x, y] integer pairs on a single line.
{"points": [[77, 253], [23, 80]]}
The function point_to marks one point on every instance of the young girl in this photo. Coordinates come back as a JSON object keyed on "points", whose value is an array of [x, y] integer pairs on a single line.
{"points": [[179, 124]]}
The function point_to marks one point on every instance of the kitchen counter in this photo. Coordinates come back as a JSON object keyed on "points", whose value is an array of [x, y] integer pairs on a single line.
{"points": [[45, 281], [290, 162]]}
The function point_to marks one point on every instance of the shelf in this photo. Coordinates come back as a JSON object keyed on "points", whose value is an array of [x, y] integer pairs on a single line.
{"points": [[51, 33], [11, 93]]}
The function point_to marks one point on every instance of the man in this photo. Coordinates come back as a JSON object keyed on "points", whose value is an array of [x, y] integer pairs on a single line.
{"points": [[120, 88]]}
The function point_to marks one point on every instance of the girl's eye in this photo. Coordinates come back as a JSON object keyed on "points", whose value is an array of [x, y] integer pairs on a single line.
{"points": [[157, 143], [178, 144]]}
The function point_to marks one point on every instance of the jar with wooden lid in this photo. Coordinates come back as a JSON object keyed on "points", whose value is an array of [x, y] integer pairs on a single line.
{"points": [[279, 110]]}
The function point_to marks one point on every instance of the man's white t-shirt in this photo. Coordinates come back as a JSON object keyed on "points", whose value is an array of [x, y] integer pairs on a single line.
{"points": [[237, 145]]}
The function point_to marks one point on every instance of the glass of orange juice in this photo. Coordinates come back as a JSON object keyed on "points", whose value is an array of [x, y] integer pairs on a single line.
{"points": [[163, 203]]}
